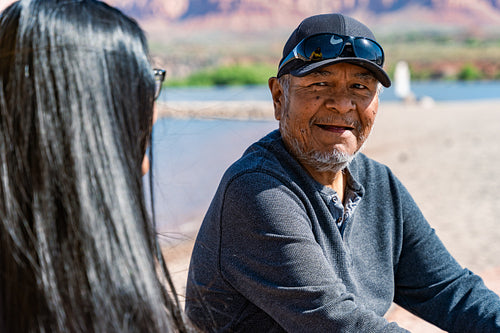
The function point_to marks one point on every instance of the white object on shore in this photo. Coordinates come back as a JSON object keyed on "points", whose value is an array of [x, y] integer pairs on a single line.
{"points": [[402, 80]]}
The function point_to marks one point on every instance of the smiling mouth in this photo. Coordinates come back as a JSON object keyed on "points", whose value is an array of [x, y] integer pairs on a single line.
{"points": [[337, 129]]}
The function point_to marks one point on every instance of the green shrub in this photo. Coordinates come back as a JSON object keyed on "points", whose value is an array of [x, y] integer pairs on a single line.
{"points": [[228, 75], [469, 72]]}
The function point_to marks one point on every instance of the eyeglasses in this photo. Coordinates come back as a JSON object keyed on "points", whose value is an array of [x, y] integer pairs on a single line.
{"points": [[159, 78], [330, 46]]}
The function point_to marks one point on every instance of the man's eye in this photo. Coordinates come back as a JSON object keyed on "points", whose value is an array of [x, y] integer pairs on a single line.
{"points": [[359, 86], [321, 84]]}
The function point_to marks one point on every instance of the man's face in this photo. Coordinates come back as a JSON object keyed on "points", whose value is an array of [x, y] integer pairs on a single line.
{"points": [[328, 114]]}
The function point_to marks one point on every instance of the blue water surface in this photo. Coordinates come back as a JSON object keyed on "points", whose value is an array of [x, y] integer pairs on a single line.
{"points": [[190, 157]]}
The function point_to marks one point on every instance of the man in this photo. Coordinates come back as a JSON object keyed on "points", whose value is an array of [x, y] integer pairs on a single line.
{"points": [[306, 234]]}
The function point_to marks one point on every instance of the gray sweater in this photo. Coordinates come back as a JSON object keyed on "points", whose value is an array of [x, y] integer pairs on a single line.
{"points": [[270, 257]]}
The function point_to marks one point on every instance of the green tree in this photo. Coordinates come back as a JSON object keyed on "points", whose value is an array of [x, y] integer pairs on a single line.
{"points": [[469, 72]]}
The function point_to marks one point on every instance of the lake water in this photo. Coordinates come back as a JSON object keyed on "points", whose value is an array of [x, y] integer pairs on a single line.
{"points": [[191, 154], [190, 157]]}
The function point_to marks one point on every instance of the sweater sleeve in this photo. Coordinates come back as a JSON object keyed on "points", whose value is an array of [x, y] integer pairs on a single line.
{"points": [[268, 253], [432, 285]]}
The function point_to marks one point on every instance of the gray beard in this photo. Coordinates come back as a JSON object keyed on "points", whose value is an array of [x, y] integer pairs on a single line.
{"points": [[331, 161]]}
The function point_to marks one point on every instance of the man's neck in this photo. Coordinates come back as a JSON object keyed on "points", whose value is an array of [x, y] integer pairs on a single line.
{"points": [[334, 180]]}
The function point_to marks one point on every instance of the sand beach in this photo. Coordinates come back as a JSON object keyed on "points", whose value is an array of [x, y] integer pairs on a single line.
{"points": [[446, 153]]}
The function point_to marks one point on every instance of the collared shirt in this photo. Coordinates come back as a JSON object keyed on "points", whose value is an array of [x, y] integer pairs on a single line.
{"points": [[342, 211]]}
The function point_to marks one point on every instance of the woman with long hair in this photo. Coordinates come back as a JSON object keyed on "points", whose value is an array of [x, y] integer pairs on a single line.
{"points": [[78, 251]]}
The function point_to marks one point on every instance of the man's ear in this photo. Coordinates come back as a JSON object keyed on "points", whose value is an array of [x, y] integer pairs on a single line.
{"points": [[277, 95]]}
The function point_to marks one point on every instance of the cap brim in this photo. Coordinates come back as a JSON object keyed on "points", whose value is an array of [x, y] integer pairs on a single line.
{"points": [[376, 70]]}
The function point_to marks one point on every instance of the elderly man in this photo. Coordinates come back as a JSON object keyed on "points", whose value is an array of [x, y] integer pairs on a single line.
{"points": [[306, 234]]}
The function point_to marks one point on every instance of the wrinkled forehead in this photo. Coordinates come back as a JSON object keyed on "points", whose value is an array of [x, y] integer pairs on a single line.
{"points": [[343, 70]]}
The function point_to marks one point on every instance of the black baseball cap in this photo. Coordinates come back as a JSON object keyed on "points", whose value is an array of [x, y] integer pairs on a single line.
{"points": [[329, 23]]}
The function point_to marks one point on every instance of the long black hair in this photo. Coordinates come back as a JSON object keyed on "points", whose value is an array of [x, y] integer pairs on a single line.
{"points": [[77, 250]]}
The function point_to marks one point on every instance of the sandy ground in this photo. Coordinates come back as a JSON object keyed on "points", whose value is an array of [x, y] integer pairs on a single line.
{"points": [[448, 156]]}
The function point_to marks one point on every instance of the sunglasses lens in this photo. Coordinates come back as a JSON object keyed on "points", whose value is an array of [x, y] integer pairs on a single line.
{"points": [[331, 46], [159, 78], [322, 47], [367, 49]]}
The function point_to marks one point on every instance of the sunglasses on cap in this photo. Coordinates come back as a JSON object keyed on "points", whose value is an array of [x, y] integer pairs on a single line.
{"points": [[330, 46]]}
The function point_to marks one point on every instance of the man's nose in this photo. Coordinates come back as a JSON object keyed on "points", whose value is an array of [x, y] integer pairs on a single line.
{"points": [[341, 101]]}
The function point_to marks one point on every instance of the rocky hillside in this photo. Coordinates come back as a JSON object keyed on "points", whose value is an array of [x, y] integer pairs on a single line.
{"points": [[437, 37], [472, 12]]}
